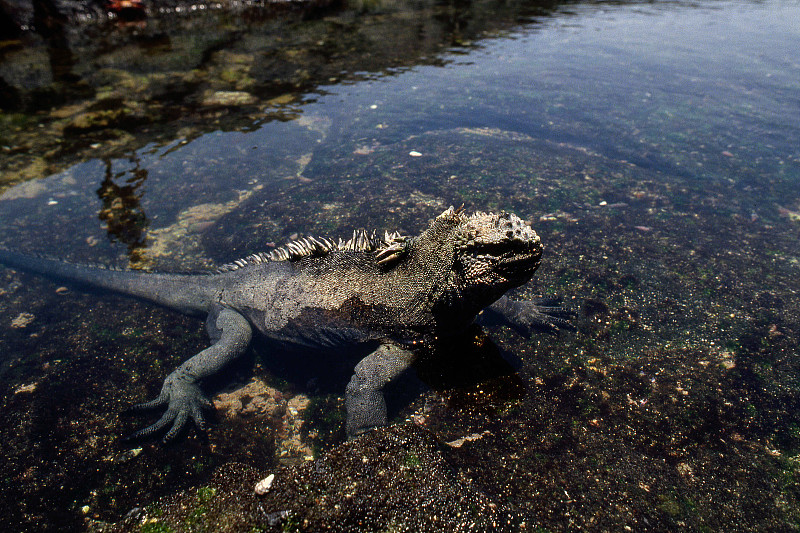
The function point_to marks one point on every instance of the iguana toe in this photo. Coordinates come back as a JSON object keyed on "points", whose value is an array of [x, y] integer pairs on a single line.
{"points": [[162, 422], [177, 425], [160, 401], [198, 417]]}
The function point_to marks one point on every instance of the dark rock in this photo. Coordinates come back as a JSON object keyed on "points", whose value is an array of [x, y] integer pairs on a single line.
{"points": [[769, 300], [9, 97], [15, 16], [592, 307], [44, 16]]}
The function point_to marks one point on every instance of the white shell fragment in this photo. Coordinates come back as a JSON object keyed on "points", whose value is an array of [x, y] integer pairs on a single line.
{"points": [[414, 153], [458, 443], [264, 485]]}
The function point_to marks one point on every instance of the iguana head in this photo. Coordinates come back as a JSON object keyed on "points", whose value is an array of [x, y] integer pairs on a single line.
{"points": [[478, 257], [494, 250]]}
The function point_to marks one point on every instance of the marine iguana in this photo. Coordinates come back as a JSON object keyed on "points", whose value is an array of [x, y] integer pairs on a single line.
{"points": [[393, 293]]}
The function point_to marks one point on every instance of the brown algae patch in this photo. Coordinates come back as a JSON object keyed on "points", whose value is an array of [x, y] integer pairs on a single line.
{"points": [[22, 320], [257, 399]]}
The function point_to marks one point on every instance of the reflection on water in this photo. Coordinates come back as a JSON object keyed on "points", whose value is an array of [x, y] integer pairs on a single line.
{"points": [[126, 86], [653, 146], [122, 213]]}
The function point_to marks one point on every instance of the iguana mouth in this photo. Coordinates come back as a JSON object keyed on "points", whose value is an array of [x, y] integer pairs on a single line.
{"points": [[518, 263], [519, 260]]}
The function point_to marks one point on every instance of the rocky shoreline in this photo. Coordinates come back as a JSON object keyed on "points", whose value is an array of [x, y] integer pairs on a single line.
{"points": [[46, 16]]}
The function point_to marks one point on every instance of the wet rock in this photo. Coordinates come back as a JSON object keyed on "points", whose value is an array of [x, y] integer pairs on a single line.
{"points": [[769, 300], [229, 98], [30, 387], [458, 443], [592, 307], [100, 119], [9, 96], [48, 16], [44, 15], [792, 215], [175, 240], [392, 479], [403, 468], [256, 399], [292, 446]]}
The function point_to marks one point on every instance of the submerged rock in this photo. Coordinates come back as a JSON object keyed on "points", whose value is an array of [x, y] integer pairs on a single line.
{"points": [[227, 98]]}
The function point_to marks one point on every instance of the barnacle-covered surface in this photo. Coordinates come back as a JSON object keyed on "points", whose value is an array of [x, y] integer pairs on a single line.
{"points": [[652, 147]]}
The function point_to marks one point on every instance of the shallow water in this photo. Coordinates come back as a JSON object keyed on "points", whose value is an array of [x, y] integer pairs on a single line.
{"points": [[654, 148]]}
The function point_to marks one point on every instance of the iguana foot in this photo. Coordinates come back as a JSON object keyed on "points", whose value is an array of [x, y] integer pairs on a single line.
{"points": [[184, 401], [544, 314]]}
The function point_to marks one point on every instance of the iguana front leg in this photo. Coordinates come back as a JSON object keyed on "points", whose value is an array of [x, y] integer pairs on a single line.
{"points": [[524, 315], [366, 407], [230, 335]]}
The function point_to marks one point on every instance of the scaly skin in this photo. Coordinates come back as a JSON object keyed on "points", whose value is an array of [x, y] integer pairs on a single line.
{"points": [[396, 293]]}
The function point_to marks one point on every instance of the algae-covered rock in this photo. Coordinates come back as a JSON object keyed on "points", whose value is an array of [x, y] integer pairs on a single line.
{"points": [[392, 479]]}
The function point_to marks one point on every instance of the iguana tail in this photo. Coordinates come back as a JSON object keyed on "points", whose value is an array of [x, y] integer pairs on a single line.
{"points": [[190, 294]]}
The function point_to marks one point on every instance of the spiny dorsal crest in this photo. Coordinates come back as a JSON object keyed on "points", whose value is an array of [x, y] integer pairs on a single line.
{"points": [[389, 249], [452, 212], [392, 248]]}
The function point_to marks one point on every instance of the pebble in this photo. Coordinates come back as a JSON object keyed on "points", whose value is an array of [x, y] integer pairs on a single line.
{"points": [[273, 519], [414, 153], [127, 455]]}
